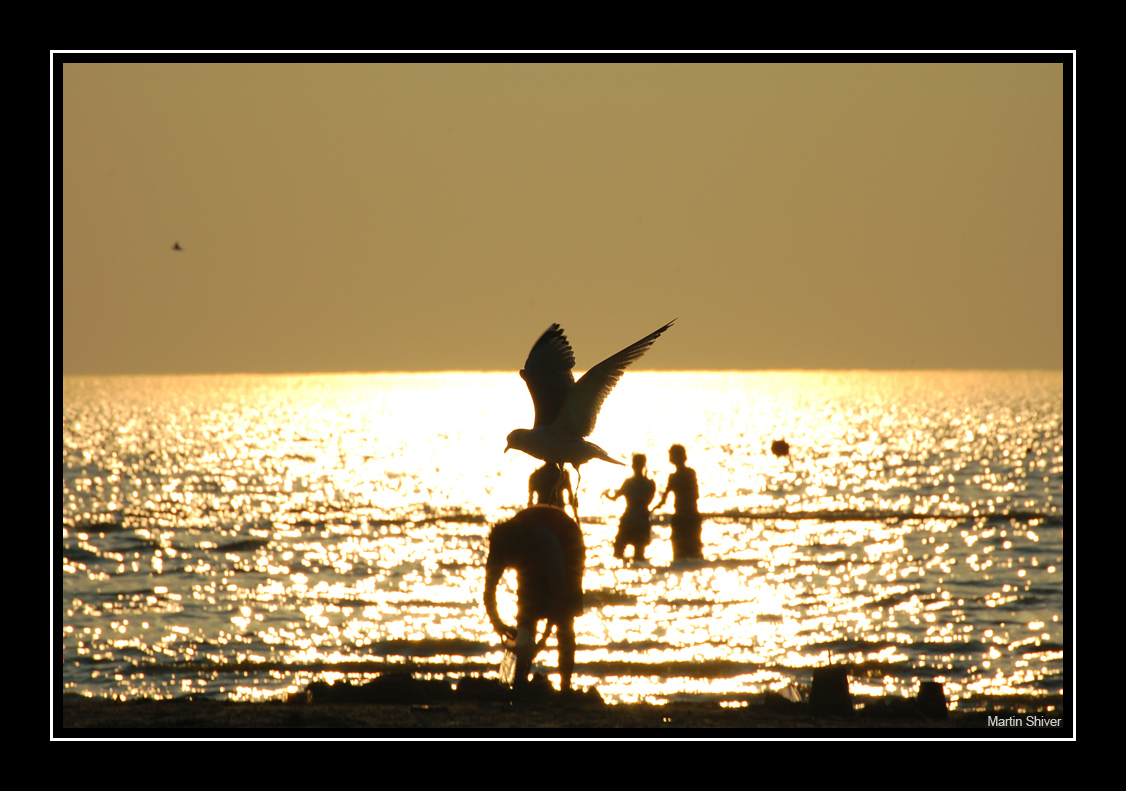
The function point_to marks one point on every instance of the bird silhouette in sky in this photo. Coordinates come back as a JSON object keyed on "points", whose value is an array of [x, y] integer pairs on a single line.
{"points": [[566, 410], [177, 246]]}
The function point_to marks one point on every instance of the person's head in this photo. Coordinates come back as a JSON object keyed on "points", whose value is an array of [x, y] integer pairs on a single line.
{"points": [[639, 463], [677, 454]]}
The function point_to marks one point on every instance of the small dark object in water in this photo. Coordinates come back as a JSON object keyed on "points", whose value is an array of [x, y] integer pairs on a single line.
{"points": [[780, 448]]}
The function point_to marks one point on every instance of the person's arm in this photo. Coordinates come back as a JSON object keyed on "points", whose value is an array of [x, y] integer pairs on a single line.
{"points": [[492, 578], [664, 495]]}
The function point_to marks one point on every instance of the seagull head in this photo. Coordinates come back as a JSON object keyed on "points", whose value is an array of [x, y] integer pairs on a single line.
{"points": [[518, 439]]}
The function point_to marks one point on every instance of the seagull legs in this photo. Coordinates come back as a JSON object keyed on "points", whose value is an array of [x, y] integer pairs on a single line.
{"points": [[555, 493], [575, 492], [557, 496]]}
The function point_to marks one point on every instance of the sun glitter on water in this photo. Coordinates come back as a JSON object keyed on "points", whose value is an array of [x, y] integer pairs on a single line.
{"points": [[215, 525]]}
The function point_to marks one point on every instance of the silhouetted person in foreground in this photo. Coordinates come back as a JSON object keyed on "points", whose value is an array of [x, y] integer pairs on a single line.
{"points": [[547, 485], [546, 548], [686, 520], [633, 528]]}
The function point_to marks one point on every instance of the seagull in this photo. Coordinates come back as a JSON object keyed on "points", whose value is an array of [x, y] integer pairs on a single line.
{"points": [[566, 410]]}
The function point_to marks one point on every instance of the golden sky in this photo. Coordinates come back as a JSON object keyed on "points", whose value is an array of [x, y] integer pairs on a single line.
{"points": [[399, 217]]}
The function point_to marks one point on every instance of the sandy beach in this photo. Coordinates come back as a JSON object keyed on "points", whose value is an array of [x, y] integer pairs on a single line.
{"points": [[483, 708]]}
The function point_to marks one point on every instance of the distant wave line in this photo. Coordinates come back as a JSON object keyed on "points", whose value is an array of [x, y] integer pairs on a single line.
{"points": [[110, 521]]}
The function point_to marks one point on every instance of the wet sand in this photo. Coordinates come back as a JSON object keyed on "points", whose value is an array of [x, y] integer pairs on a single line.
{"points": [[404, 705], [219, 715]]}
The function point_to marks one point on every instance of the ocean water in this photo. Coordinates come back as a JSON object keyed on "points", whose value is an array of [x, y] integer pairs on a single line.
{"points": [[236, 537]]}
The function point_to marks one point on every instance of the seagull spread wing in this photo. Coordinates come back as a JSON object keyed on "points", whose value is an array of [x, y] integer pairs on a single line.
{"points": [[547, 372], [584, 400]]}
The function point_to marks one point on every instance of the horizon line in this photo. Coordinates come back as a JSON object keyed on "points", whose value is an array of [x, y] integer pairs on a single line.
{"points": [[578, 372]]}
